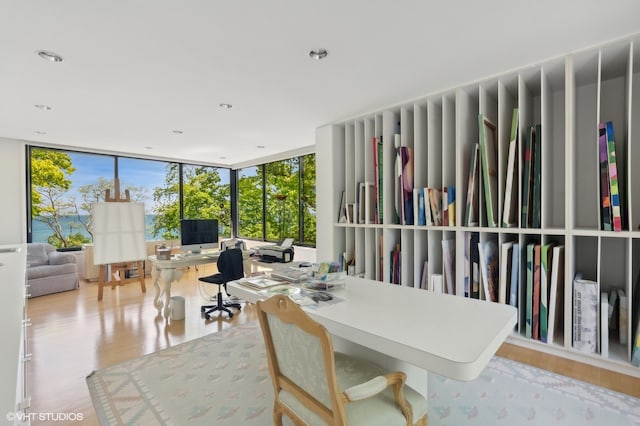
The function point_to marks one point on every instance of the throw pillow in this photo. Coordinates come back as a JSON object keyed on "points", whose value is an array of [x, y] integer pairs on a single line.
{"points": [[37, 255]]}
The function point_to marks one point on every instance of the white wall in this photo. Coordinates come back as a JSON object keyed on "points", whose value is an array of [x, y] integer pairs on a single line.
{"points": [[328, 186], [12, 192]]}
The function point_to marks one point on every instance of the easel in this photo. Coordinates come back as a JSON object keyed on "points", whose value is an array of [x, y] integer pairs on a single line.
{"points": [[117, 277]]}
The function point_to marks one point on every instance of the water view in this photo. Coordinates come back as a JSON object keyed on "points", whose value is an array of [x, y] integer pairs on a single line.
{"points": [[71, 225]]}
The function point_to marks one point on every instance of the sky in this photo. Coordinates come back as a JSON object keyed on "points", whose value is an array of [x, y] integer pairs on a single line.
{"points": [[148, 174]]}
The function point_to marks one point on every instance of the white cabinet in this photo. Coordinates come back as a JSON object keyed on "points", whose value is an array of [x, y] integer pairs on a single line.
{"points": [[14, 398], [567, 97]]}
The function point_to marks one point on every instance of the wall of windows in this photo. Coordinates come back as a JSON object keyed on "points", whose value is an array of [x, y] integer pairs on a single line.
{"points": [[251, 203], [277, 200], [274, 201]]}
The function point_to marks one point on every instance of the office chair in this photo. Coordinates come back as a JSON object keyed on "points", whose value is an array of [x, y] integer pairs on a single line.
{"points": [[315, 385], [231, 268]]}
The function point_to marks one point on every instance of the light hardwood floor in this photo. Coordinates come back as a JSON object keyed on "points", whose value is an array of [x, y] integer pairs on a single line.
{"points": [[73, 334]]}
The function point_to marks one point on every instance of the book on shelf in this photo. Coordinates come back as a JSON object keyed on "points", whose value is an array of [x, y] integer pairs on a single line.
{"points": [[613, 179], [604, 324], [606, 218], [535, 316], [623, 316], [546, 252], [467, 264], [489, 161], [475, 265], [451, 200], [397, 182], [510, 195], [445, 206], [614, 307], [350, 209], [635, 323], [379, 270], [635, 348], [527, 178], [395, 267], [515, 275], [585, 314], [489, 269], [416, 205], [471, 210], [342, 212], [505, 271], [436, 283], [529, 291], [407, 184], [378, 177], [556, 294], [537, 179], [449, 255], [428, 218], [366, 203], [424, 278], [419, 207], [360, 204], [435, 200]]}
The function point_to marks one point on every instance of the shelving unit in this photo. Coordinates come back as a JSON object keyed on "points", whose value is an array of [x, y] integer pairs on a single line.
{"points": [[568, 97]]}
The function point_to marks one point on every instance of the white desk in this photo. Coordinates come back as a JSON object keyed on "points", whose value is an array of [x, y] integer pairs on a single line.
{"points": [[448, 335], [165, 272]]}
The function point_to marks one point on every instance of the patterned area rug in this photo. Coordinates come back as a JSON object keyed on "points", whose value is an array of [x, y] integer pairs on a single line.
{"points": [[223, 379]]}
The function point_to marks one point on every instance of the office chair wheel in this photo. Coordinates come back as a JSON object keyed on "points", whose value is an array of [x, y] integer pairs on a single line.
{"points": [[202, 309]]}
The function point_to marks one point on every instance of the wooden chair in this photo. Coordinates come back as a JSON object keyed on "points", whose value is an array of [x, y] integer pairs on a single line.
{"points": [[314, 385]]}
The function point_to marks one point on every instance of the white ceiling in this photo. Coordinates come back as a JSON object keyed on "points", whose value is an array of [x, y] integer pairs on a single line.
{"points": [[134, 70]]}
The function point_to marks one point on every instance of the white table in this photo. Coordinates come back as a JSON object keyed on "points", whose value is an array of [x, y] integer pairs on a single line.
{"points": [[165, 272], [433, 332]]}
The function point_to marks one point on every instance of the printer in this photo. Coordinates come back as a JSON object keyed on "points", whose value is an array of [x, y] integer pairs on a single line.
{"points": [[282, 252]]}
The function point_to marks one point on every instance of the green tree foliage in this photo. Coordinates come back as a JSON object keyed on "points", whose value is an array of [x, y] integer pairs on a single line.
{"points": [[308, 198], [250, 203], [204, 197], [50, 180], [282, 188], [283, 184]]}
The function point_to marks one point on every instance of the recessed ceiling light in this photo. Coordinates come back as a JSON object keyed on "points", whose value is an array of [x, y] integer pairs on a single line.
{"points": [[223, 157], [177, 132], [148, 147], [39, 132], [43, 107], [318, 54], [260, 146], [226, 106], [49, 56]]}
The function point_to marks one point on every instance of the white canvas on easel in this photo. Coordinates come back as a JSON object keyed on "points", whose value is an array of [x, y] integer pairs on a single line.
{"points": [[118, 232], [118, 240]]}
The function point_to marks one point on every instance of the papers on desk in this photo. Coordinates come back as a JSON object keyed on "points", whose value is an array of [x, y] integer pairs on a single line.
{"points": [[287, 290], [294, 275], [315, 299], [302, 296], [259, 283]]}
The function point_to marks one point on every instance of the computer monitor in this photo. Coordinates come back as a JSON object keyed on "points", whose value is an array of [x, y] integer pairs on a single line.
{"points": [[198, 234]]}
